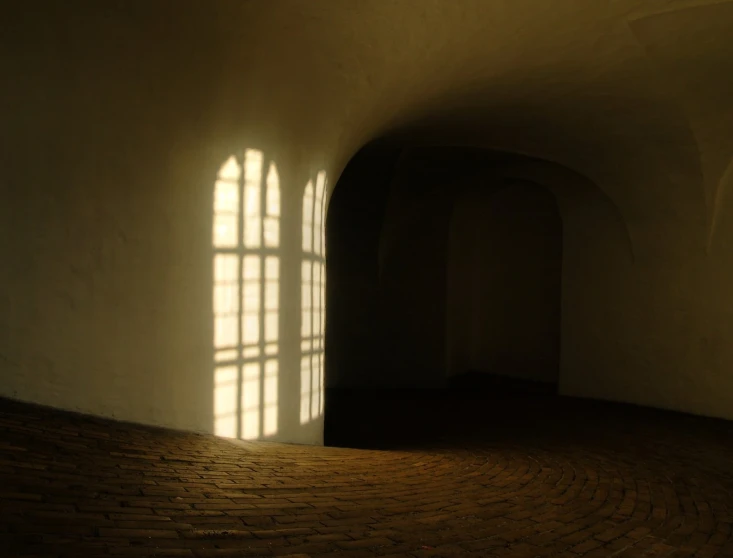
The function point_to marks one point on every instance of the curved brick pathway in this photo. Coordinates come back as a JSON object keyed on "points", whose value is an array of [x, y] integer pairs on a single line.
{"points": [[551, 478]]}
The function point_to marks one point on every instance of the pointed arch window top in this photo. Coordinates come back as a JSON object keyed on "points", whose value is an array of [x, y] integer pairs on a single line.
{"points": [[273, 192]]}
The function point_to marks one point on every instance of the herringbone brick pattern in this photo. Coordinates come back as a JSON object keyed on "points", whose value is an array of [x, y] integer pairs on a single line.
{"points": [[556, 478]]}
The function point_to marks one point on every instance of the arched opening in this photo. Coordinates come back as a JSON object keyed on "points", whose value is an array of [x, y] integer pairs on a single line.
{"points": [[446, 277]]}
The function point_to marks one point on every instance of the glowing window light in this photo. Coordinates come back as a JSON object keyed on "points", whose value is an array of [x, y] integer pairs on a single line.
{"points": [[313, 279], [246, 239]]}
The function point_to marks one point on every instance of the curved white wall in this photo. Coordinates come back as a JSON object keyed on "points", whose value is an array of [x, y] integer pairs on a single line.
{"points": [[116, 118]]}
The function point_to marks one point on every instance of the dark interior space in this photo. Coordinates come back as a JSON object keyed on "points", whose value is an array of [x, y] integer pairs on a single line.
{"points": [[444, 282]]}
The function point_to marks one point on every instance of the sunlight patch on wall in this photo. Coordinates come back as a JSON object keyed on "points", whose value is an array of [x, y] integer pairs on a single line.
{"points": [[313, 289], [246, 240]]}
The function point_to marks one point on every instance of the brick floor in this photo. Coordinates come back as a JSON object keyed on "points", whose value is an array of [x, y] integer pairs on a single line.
{"points": [[541, 477]]}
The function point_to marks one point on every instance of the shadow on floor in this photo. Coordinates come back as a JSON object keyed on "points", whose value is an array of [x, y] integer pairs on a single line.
{"points": [[513, 413], [399, 418]]}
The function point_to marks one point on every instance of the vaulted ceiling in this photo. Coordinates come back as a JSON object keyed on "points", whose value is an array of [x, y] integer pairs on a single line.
{"points": [[636, 95]]}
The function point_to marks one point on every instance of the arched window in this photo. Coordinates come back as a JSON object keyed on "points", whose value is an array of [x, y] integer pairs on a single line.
{"points": [[313, 290], [246, 297]]}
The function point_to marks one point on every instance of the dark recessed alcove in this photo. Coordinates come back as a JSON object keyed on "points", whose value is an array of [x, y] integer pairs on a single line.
{"points": [[444, 292]]}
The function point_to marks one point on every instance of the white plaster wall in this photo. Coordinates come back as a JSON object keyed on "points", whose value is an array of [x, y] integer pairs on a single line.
{"points": [[115, 126], [116, 117]]}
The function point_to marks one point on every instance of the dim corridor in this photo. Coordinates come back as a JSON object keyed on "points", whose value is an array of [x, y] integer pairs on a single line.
{"points": [[515, 476]]}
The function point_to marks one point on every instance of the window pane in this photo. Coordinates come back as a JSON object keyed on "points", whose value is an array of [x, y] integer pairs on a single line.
{"points": [[226, 197], [270, 426], [251, 371], [226, 425], [316, 239], [225, 331], [253, 167], [305, 402], [320, 190], [225, 231], [224, 376], [307, 238], [305, 325], [314, 375], [251, 394], [305, 293], [321, 184], [250, 424], [250, 268], [230, 170], [251, 297], [316, 298], [316, 321], [271, 367], [272, 232], [272, 267], [273, 191], [225, 299], [226, 268], [271, 295], [305, 380], [305, 270], [252, 232], [271, 390], [250, 328], [251, 400], [308, 203], [252, 208], [308, 218], [271, 326], [225, 401]]}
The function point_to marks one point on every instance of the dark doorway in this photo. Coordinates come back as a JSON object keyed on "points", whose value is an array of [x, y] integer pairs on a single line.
{"points": [[443, 282], [353, 227]]}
